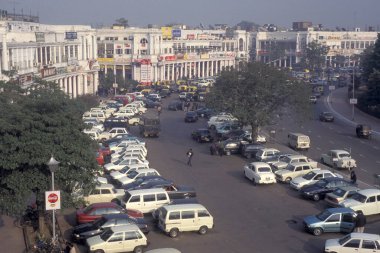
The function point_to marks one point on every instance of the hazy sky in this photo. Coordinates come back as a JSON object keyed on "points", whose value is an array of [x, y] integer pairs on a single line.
{"points": [[330, 13]]}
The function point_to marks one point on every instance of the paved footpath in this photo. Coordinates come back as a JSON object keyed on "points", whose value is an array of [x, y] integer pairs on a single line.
{"points": [[338, 103], [11, 237]]}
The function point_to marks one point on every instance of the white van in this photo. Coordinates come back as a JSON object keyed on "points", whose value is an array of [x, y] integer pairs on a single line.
{"points": [[298, 141], [146, 200], [99, 116], [185, 217]]}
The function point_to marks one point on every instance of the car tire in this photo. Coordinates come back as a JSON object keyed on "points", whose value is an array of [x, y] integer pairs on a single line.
{"points": [[136, 124], [316, 197], [317, 231], [138, 249], [203, 230], [99, 251], [249, 156], [322, 161], [287, 180], [254, 182], [173, 233]]}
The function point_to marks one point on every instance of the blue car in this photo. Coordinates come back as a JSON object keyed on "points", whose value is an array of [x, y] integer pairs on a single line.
{"points": [[333, 220]]}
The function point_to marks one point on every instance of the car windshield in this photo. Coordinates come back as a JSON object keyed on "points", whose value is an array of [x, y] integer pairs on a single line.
{"points": [[132, 175], [359, 197], [290, 167], [99, 222], [310, 175], [339, 192], [323, 215], [118, 161], [328, 114], [106, 234], [285, 159], [124, 170], [321, 183], [344, 239], [342, 155], [264, 169]]}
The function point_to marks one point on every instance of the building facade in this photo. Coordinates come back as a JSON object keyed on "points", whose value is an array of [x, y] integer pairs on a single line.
{"points": [[62, 54], [285, 49], [150, 55]]}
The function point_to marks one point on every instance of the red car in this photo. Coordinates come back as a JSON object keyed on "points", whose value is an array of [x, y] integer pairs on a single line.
{"points": [[104, 150], [96, 210], [100, 158]]}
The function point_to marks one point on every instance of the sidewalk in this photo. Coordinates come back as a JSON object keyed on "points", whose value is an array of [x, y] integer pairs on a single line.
{"points": [[338, 103], [11, 237]]}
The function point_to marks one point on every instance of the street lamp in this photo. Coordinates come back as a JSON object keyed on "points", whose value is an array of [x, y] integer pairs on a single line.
{"points": [[53, 166]]}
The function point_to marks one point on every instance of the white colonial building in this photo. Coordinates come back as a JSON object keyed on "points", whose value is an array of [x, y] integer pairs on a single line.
{"points": [[64, 54], [149, 55]]}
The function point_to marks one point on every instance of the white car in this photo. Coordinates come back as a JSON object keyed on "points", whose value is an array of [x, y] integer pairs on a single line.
{"points": [[128, 155], [127, 144], [124, 151], [203, 83], [311, 177], [105, 193], [259, 173], [119, 164], [124, 238], [354, 243], [112, 133], [135, 174], [128, 168], [366, 201], [285, 160], [216, 121], [125, 112], [338, 159], [140, 109]]}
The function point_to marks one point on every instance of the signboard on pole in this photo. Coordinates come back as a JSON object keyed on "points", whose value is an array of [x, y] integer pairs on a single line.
{"points": [[331, 87], [53, 200], [353, 101]]}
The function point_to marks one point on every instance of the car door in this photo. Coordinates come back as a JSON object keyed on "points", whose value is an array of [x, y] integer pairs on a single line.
{"points": [[105, 195], [115, 243], [94, 196], [370, 206], [188, 220], [332, 223], [347, 224], [352, 246], [132, 239], [149, 203], [369, 246], [134, 203]]}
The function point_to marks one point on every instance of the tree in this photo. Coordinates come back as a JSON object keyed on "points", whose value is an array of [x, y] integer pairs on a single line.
{"points": [[248, 26], [256, 94], [37, 123], [370, 59], [315, 56], [122, 22]]}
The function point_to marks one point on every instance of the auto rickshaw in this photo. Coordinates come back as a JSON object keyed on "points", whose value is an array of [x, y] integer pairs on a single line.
{"points": [[363, 131]]}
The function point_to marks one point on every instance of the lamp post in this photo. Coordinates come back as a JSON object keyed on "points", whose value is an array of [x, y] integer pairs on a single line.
{"points": [[53, 166]]}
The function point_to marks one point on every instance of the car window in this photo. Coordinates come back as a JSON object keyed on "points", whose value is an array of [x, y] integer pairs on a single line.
{"points": [[298, 169], [161, 196], [99, 211], [319, 176], [149, 198], [302, 160], [328, 175], [134, 199], [95, 192], [368, 244], [188, 214], [109, 223], [203, 213], [174, 216], [117, 237], [106, 191], [131, 235], [378, 197], [334, 218], [347, 217], [112, 210], [371, 199], [354, 243], [306, 168]]}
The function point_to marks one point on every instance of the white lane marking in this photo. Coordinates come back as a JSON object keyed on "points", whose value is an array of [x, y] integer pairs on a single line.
{"points": [[364, 170], [362, 142], [318, 148], [309, 131], [318, 136], [378, 162], [302, 127], [349, 137], [361, 155]]}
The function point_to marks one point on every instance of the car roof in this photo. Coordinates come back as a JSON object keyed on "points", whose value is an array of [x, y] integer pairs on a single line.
{"points": [[143, 191], [101, 186], [297, 156], [365, 236], [299, 164], [260, 164], [269, 149], [330, 179], [103, 204], [340, 210], [116, 216], [349, 188], [183, 206], [339, 151], [369, 192], [123, 228]]}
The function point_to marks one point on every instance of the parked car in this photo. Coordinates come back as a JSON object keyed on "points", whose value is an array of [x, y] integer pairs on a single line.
{"points": [[259, 173], [151, 104], [204, 112], [363, 131], [84, 231], [338, 159], [104, 193], [113, 132], [133, 175], [336, 197], [326, 117], [126, 238], [249, 150], [191, 116], [285, 160], [311, 177], [202, 135], [141, 181], [225, 128], [293, 170], [318, 190], [266, 153], [175, 105], [116, 122], [119, 164], [354, 243], [366, 201], [95, 211], [331, 220], [174, 191]]}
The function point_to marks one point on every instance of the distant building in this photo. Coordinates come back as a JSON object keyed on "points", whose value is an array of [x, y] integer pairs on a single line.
{"points": [[302, 26], [65, 54]]}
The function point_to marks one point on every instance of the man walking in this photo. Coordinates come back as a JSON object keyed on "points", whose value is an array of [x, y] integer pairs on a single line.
{"points": [[353, 177], [189, 156], [360, 222]]}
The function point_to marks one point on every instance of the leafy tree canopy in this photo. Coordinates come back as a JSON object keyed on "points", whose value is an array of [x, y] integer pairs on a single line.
{"points": [[122, 21], [248, 25], [37, 123], [257, 93], [315, 55], [371, 59]]}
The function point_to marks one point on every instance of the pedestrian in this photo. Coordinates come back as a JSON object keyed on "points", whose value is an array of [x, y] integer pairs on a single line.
{"points": [[189, 156], [220, 148], [353, 177], [159, 109], [360, 221], [213, 149]]}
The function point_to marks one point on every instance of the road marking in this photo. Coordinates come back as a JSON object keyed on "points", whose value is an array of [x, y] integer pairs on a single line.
{"points": [[309, 131], [361, 155], [349, 137], [318, 148], [362, 142], [378, 162], [318, 136], [331, 128], [364, 170], [302, 127]]}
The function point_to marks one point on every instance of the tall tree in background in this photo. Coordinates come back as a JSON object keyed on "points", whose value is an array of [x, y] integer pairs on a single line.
{"points": [[122, 21], [36, 124], [248, 26], [256, 94], [315, 56]]}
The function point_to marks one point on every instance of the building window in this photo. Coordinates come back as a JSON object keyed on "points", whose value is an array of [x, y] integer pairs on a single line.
{"points": [[127, 51]]}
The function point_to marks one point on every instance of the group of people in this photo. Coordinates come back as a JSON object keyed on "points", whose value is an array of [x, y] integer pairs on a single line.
{"points": [[188, 106]]}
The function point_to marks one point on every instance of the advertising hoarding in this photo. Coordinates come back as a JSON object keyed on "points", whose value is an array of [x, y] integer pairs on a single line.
{"points": [[166, 33], [176, 33], [71, 35]]}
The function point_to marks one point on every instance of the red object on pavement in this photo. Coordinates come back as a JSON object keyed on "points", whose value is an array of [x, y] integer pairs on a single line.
{"points": [[100, 158]]}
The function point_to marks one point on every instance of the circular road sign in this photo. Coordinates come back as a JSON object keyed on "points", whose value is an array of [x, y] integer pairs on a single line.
{"points": [[52, 198]]}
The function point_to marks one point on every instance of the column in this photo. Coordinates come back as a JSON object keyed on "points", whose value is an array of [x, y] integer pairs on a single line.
{"points": [[85, 84], [75, 86], [174, 70], [203, 69], [105, 69], [199, 69], [191, 70], [123, 71], [96, 83], [70, 88], [212, 68], [5, 55], [65, 84], [155, 71], [186, 69]]}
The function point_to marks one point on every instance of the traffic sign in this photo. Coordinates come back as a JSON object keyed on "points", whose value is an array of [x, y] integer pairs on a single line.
{"points": [[353, 101], [53, 200]]}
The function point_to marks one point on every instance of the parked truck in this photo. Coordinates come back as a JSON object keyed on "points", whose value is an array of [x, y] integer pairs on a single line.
{"points": [[150, 127]]}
